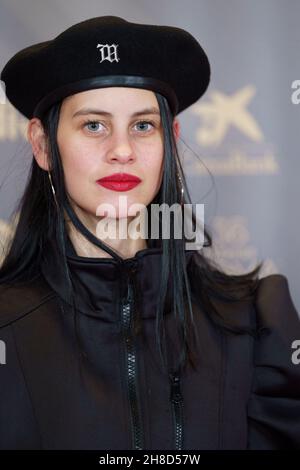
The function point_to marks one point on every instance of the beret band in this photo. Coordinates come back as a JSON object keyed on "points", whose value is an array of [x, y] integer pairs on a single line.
{"points": [[104, 82]]}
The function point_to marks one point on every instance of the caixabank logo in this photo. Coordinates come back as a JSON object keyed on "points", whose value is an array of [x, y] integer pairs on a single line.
{"points": [[232, 144], [230, 137]]}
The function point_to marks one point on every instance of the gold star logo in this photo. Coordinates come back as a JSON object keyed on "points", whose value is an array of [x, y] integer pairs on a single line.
{"points": [[224, 111]]}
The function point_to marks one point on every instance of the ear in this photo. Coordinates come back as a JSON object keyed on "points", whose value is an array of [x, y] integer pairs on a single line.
{"points": [[176, 127], [36, 137]]}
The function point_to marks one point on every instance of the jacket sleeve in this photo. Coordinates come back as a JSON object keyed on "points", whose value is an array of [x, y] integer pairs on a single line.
{"points": [[18, 429], [274, 404]]}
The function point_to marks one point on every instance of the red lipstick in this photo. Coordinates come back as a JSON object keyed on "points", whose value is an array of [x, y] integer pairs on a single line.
{"points": [[119, 181]]}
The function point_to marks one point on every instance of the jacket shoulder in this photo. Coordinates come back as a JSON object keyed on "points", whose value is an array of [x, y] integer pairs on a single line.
{"points": [[18, 300], [274, 404], [274, 303]]}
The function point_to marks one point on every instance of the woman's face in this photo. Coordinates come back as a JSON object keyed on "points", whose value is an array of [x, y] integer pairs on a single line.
{"points": [[124, 136]]}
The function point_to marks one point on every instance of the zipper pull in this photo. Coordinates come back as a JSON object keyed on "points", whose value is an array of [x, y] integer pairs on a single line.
{"points": [[128, 280], [131, 270], [176, 396]]}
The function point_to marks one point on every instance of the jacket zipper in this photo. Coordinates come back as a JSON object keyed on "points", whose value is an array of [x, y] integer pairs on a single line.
{"points": [[128, 315], [177, 409]]}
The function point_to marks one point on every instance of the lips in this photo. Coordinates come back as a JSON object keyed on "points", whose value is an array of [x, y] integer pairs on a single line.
{"points": [[120, 177], [119, 181]]}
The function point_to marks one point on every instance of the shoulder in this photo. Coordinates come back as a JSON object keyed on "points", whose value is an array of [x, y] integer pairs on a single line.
{"points": [[269, 307], [274, 303], [20, 299], [272, 285], [274, 405]]}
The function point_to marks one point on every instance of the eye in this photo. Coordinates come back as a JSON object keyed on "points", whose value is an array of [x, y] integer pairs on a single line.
{"points": [[144, 126], [143, 123], [92, 125]]}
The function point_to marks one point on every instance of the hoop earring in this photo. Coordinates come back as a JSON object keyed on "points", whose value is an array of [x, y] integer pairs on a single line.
{"points": [[53, 190], [182, 188]]}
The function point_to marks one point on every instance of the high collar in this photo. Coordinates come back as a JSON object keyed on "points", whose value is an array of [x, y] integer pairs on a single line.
{"points": [[99, 282]]}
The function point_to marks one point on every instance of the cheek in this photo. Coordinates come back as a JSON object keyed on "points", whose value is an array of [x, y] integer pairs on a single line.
{"points": [[152, 163], [153, 168], [78, 160]]}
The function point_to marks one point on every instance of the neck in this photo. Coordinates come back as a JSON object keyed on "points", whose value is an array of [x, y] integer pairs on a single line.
{"points": [[124, 247]]}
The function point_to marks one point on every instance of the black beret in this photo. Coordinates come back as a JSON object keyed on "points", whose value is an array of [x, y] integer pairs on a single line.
{"points": [[103, 52]]}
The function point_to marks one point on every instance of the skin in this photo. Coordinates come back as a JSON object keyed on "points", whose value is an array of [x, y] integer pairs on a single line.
{"points": [[113, 144]]}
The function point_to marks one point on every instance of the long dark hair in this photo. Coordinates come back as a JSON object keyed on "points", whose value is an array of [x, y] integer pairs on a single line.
{"points": [[40, 219]]}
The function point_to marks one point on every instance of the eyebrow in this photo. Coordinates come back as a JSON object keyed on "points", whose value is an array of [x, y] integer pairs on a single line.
{"points": [[85, 111]]}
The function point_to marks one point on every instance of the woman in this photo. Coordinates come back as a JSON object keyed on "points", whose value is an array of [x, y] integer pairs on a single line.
{"points": [[128, 343]]}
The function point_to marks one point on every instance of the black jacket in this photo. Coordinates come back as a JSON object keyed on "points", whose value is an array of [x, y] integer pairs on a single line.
{"points": [[244, 395]]}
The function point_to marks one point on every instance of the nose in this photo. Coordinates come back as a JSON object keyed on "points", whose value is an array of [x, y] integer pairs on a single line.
{"points": [[121, 149]]}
